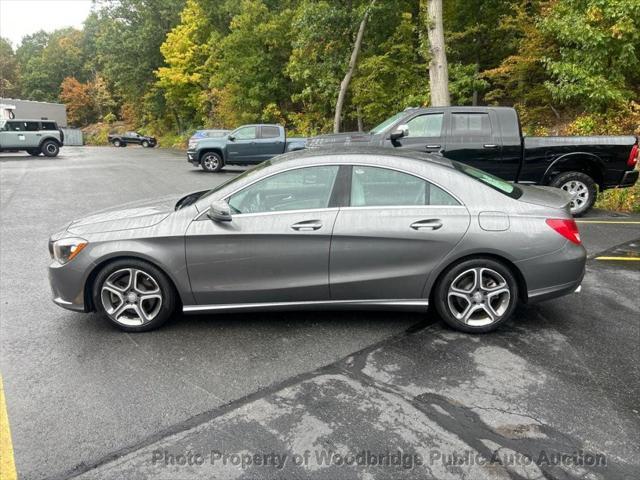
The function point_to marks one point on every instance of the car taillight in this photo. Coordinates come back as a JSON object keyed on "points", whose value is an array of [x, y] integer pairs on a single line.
{"points": [[565, 227], [633, 156]]}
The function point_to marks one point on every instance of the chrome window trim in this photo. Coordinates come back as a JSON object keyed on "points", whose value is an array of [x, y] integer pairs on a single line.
{"points": [[314, 303], [339, 164]]}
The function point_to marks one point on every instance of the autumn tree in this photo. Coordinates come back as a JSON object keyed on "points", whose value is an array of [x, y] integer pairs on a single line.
{"points": [[77, 98], [9, 86]]}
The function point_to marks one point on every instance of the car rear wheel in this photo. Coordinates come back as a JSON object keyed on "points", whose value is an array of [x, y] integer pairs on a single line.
{"points": [[50, 148], [211, 162], [477, 295], [145, 144], [117, 143], [134, 295], [34, 152], [581, 187]]}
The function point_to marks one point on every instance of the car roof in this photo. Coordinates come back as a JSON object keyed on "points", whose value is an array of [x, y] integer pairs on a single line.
{"points": [[342, 150], [28, 120]]}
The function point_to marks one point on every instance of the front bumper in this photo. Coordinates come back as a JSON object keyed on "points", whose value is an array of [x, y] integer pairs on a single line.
{"points": [[629, 178], [67, 285], [192, 157]]}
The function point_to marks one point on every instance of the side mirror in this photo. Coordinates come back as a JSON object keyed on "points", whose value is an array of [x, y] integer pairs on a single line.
{"points": [[232, 138], [401, 131], [219, 211]]}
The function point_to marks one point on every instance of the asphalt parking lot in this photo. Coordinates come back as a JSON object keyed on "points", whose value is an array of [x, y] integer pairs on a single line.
{"points": [[85, 399]]}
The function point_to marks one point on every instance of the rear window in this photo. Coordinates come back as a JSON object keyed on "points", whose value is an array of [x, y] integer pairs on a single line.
{"points": [[49, 126], [502, 186]]}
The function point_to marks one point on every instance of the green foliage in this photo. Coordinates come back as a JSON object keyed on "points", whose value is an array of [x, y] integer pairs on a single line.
{"points": [[9, 86], [597, 62]]}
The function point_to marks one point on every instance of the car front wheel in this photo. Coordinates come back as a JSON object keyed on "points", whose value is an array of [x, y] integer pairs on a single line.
{"points": [[211, 162], [476, 296], [145, 144], [116, 143], [134, 295]]}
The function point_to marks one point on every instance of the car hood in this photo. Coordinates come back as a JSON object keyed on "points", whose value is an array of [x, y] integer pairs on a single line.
{"points": [[339, 139], [125, 217], [545, 196]]}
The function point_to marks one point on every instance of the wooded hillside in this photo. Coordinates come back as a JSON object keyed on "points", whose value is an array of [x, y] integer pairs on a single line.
{"points": [[169, 66]]}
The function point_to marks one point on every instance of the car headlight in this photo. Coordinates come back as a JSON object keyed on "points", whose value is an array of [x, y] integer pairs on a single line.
{"points": [[192, 144], [66, 249]]}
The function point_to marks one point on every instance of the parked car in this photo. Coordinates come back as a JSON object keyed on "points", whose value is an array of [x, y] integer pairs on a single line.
{"points": [[246, 145], [364, 228], [32, 136], [134, 138], [490, 138]]}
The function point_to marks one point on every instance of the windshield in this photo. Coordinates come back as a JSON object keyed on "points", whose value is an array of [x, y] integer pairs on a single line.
{"points": [[492, 181], [387, 123]]}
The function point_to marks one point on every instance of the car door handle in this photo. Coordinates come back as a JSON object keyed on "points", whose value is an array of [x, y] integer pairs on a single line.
{"points": [[433, 147], [490, 145], [431, 224], [307, 226]]}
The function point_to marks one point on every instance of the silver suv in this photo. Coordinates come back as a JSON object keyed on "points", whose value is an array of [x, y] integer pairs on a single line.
{"points": [[33, 136]]}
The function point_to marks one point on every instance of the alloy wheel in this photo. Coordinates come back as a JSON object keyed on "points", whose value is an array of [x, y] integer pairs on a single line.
{"points": [[131, 297], [579, 193], [210, 162], [478, 297]]}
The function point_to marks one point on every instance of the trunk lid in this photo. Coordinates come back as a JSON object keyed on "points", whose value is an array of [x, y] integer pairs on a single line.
{"points": [[545, 196]]}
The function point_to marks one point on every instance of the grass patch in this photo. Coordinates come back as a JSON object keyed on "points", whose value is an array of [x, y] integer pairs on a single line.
{"points": [[620, 199]]}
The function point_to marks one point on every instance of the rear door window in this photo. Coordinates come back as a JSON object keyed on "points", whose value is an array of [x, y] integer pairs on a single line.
{"points": [[471, 127], [32, 126], [270, 132], [375, 186]]}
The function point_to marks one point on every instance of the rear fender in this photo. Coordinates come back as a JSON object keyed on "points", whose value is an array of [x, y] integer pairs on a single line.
{"points": [[587, 163]]}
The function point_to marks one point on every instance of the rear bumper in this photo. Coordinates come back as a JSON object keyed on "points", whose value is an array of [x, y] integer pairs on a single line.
{"points": [[629, 178], [554, 275]]}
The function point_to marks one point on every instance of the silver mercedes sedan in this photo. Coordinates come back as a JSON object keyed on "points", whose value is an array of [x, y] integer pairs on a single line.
{"points": [[319, 229]]}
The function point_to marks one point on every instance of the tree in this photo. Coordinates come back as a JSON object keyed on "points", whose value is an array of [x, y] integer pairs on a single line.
{"points": [[438, 69], [344, 85], [8, 70], [78, 100]]}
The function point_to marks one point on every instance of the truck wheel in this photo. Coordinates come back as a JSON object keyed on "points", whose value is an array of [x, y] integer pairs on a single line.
{"points": [[581, 187], [211, 162], [34, 152], [145, 144], [50, 148], [117, 143]]}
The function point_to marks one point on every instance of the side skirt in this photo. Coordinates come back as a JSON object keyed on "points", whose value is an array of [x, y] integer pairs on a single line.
{"points": [[411, 305]]}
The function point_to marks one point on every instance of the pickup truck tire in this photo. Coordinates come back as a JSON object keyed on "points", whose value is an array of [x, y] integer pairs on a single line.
{"points": [[476, 295], [50, 148], [582, 188], [211, 162], [34, 152], [145, 144], [117, 143]]}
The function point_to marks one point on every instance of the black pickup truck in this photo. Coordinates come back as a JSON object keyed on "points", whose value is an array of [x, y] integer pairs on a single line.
{"points": [[490, 138]]}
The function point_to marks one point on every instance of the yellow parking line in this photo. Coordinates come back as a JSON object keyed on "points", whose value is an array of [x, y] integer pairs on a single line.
{"points": [[7, 463], [620, 222], [623, 259]]}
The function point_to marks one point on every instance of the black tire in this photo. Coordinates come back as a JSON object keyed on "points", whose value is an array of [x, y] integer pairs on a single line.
{"points": [[50, 148], [34, 152], [582, 186], [484, 317], [211, 162], [116, 143], [165, 288], [145, 144]]}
